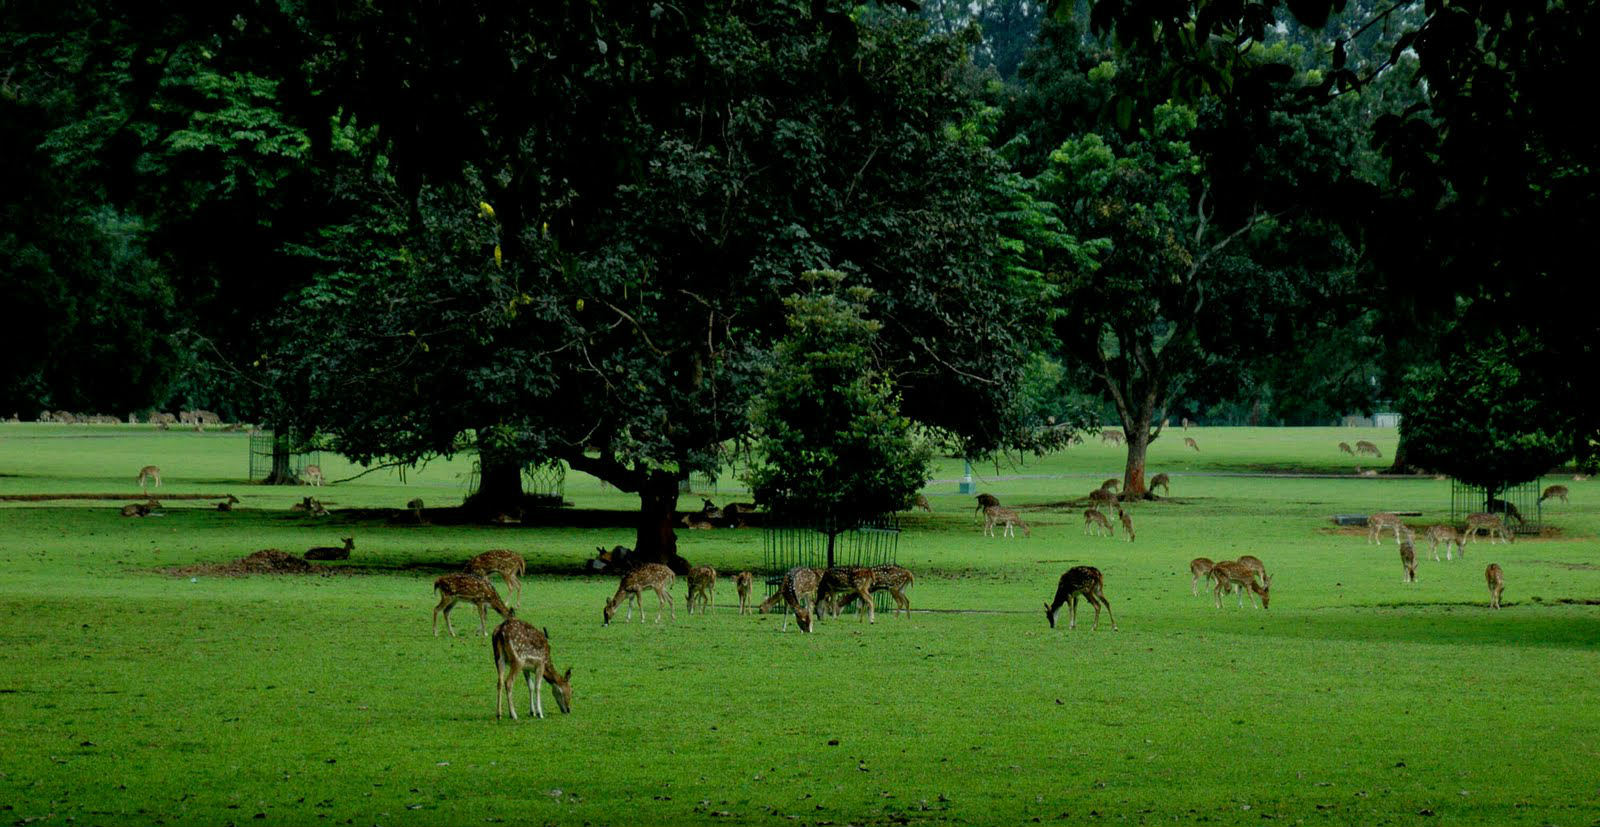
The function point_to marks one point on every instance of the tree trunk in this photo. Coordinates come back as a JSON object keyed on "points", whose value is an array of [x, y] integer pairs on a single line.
{"points": [[655, 540], [282, 473], [1138, 439], [1400, 464], [499, 483]]}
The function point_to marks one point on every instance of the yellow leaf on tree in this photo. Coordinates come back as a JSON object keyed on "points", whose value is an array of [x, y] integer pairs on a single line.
{"points": [[485, 210], [580, 305], [497, 261]]}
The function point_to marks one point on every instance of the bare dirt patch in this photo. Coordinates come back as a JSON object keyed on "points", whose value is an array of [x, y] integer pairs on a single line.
{"points": [[265, 561]]}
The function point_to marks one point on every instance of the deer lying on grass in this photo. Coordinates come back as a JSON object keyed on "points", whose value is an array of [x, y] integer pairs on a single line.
{"points": [[1199, 567], [1160, 481], [149, 473], [228, 504], [1496, 579], [985, 501], [332, 552], [892, 579], [742, 582], [840, 581], [309, 505], [648, 576], [1408, 559], [1188, 442], [800, 587], [1093, 518], [1080, 580], [1127, 524], [1113, 436], [702, 588], [1345, 447], [312, 474], [520, 649], [1484, 521], [505, 562], [1376, 523], [994, 514], [1554, 491], [140, 509], [1447, 535], [471, 588], [1365, 447], [1238, 577]]}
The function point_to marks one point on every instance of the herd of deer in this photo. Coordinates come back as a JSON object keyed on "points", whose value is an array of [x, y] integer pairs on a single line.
{"points": [[1095, 519]]}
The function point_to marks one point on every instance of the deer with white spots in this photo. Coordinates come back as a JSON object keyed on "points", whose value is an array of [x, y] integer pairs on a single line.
{"points": [[1235, 576], [520, 649], [1447, 535], [1092, 518], [1009, 519], [742, 582], [471, 588], [1376, 523], [841, 581], [702, 589], [508, 564], [798, 590], [1199, 567], [1080, 580], [147, 474], [1408, 559], [652, 576], [1496, 579], [1484, 521]]}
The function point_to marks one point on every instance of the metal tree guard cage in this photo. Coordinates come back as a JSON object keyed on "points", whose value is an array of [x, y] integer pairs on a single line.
{"points": [[261, 443], [699, 484], [1521, 500], [786, 543], [546, 483]]}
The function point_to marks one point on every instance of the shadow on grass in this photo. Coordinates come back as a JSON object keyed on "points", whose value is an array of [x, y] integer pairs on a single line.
{"points": [[1520, 624]]}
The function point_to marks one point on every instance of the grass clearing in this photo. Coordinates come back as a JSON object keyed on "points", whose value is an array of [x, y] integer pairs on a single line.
{"points": [[128, 696]]}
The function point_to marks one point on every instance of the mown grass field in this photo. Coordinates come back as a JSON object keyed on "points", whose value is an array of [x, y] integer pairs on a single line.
{"points": [[129, 696]]}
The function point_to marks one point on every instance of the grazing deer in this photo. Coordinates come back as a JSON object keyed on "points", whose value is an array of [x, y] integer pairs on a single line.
{"points": [[149, 473], [1345, 447], [505, 562], [1447, 535], [742, 582], [1127, 524], [1504, 507], [1254, 564], [1010, 519], [1103, 498], [893, 579], [1484, 521], [985, 501], [1408, 558], [1080, 580], [1093, 517], [1111, 485], [471, 588], [1238, 577], [648, 576], [312, 474], [1187, 422], [1188, 442], [1160, 481], [840, 581], [332, 552], [1199, 567], [1554, 491], [1376, 523], [702, 587], [800, 585], [922, 503], [1113, 436], [520, 649], [1365, 447], [1496, 579]]}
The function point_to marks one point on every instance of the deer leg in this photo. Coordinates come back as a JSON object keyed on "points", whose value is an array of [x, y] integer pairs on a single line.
{"points": [[1072, 612], [444, 602], [535, 697], [872, 611], [514, 585], [1089, 596], [499, 686], [447, 626], [483, 619], [1109, 615], [901, 601]]}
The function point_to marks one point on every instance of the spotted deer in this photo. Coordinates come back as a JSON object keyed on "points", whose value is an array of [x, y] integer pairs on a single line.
{"points": [[1160, 481], [1238, 577], [840, 581], [520, 649], [1376, 523], [1006, 517], [1199, 567], [1127, 524], [1187, 422], [1408, 560], [1554, 491], [799, 587], [1496, 579], [453, 588], [1254, 564], [312, 474], [1345, 447], [892, 579], [1188, 442], [1484, 521], [648, 576], [149, 473], [742, 582], [1092, 518], [1447, 535], [1365, 447], [702, 589], [1111, 485], [1113, 436], [1080, 580], [505, 562], [332, 552], [985, 501], [922, 503], [1103, 498]]}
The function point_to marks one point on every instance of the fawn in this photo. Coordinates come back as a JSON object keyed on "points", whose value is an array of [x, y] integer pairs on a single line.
{"points": [[1376, 523], [312, 474], [520, 649], [702, 587], [332, 552], [742, 582], [1199, 567], [1486, 522], [648, 576], [1093, 517], [1127, 524], [1160, 481], [1553, 492], [1365, 447], [149, 473], [1408, 559], [1345, 447], [1447, 535], [1113, 436], [1240, 577], [507, 563], [1084, 580], [840, 581], [800, 585], [1010, 519], [471, 588], [1496, 579], [1188, 442]]}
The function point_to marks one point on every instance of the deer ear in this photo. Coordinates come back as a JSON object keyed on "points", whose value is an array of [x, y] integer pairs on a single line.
{"points": [[568, 676]]}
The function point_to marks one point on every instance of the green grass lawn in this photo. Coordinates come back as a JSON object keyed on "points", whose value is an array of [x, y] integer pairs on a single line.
{"points": [[130, 696]]}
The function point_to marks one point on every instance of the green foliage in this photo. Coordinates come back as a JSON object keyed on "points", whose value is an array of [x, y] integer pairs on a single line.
{"points": [[829, 433]]}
